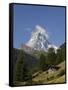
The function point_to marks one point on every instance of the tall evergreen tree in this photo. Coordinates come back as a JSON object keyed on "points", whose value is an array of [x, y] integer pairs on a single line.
{"points": [[22, 73], [18, 74], [60, 55], [51, 56], [42, 62]]}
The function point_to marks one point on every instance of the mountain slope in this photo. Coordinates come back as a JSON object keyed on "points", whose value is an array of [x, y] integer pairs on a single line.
{"points": [[57, 76], [47, 78]]}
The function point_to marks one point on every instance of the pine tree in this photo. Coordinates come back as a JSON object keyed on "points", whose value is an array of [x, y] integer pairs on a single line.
{"points": [[18, 74], [61, 53], [42, 62], [60, 56], [51, 56]]}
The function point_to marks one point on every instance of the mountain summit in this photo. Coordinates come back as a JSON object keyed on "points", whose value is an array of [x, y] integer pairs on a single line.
{"points": [[39, 39]]}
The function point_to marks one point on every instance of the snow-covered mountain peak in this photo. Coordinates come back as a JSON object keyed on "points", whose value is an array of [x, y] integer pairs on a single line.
{"points": [[39, 39]]}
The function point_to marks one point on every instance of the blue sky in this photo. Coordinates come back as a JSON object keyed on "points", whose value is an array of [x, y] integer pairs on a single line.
{"points": [[26, 17]]}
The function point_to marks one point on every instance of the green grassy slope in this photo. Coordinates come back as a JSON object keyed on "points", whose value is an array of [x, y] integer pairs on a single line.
{"points": [[58, 76]]}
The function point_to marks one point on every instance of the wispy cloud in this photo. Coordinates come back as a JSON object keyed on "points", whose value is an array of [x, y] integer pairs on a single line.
{"points": [[28, 29]]}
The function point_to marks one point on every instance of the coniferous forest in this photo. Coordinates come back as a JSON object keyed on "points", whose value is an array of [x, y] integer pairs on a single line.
{"points": [[39, 67]]}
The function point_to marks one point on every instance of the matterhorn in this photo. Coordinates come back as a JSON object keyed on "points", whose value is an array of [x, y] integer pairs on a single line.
{"points": [[39, 40]]}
